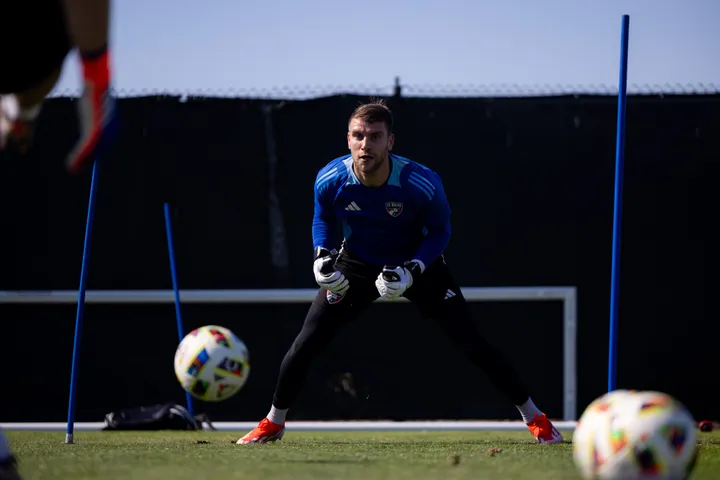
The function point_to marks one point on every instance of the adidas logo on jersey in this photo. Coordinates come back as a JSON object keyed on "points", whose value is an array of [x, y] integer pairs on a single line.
{"points": [[353, 207], [449, 294]]}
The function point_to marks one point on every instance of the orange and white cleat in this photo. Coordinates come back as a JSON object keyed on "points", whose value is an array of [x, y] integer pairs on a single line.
{"points": [[543, 430], [265, 432]]}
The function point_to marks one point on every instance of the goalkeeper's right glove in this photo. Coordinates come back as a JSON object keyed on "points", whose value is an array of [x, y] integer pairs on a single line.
{"points": [[325, 274]]}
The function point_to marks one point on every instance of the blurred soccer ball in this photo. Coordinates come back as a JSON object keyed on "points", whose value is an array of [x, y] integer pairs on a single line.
{"points": [[590, 423], [212, 363], [635, 435]]}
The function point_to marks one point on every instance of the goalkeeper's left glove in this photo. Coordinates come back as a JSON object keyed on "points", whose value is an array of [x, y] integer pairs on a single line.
{"points": [[394, 281]]}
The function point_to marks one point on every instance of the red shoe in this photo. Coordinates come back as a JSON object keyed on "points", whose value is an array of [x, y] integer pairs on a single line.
{"points": [[543, 430], [266, 431]]}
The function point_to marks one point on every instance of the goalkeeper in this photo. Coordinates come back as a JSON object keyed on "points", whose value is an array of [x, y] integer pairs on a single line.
{"points": [[396, 223]]}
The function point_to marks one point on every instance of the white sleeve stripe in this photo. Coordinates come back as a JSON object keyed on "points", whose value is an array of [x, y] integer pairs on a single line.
{"points": [[422, 180], [325, 176], [423, 188]]}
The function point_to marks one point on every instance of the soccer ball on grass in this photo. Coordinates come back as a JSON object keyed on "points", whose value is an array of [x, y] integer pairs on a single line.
{"points": [[635, 435], [212, 363], [584, 436]]}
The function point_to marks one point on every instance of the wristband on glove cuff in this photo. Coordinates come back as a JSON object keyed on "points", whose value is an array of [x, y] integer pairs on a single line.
{"points": [[327, 267], [416, 267], [323, 252]]}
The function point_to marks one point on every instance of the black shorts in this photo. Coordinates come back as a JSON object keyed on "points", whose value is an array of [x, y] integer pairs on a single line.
{"points": [[434, 293], [35, 42], [429, 292]]}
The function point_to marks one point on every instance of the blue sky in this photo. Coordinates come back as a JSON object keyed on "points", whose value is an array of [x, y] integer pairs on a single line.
{"points": [[184, 46]]}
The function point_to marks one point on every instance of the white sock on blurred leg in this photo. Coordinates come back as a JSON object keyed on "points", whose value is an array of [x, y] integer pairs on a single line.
{"points": [[528, 410], [277, 415]]}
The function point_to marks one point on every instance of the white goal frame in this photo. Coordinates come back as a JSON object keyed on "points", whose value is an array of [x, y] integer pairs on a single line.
{"points": [[568, 295]]}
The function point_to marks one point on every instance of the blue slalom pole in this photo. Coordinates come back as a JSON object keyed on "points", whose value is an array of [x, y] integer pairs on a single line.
{"points": [[81, 304], [617, 204], [176, 291]]}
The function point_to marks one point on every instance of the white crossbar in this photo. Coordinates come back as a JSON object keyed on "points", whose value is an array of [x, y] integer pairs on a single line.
{"points": [[290, 295], [474, 294]]}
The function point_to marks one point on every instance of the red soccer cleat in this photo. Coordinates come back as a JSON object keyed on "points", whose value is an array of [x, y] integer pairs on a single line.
{"points": [[265, 432], [543, 430]]}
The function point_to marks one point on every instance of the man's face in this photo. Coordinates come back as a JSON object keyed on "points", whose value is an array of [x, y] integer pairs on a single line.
{"points": [[369, 144]]}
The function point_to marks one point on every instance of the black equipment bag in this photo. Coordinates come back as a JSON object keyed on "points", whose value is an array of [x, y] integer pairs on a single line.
{"points": [[163, 416]]}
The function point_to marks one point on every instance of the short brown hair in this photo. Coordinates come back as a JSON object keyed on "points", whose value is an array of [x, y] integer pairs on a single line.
{"points": [[373, 112]]}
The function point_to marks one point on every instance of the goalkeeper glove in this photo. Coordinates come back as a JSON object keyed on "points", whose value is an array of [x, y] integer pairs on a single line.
{"points": [[394, 281], [325, 274]]}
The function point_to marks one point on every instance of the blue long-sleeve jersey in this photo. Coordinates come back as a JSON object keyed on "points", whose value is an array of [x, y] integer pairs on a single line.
{"points": [[406, 218]]}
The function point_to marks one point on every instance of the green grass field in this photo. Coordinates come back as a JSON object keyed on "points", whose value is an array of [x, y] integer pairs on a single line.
{"points": [[304, 455]]}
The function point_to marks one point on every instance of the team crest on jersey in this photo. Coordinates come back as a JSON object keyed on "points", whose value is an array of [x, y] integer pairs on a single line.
{"points": [[334, 297], [394, 208]]}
